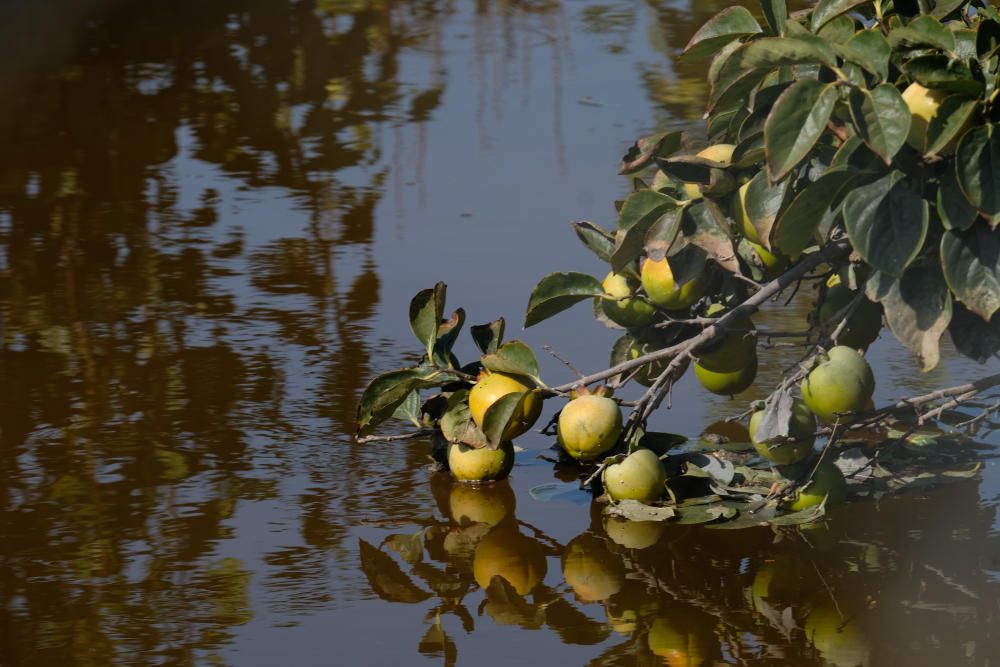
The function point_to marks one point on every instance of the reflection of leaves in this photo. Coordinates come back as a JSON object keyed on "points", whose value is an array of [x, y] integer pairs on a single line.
{"points": [[437, 643], [572, 625], [386, 578], [409, 547]]}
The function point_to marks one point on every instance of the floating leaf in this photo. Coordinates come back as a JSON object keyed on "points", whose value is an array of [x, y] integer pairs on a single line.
{"points": [[977, 163], [971, 261], [796, 121], [558, 491], [881, 119], [513, 357], [488, 336], [633, 510], [598, 240], [640, 154], [712, 466], [726, 26], [918, 310], [386, 578], [886, 222], [705, 514], [808, 515], [558, 291]]}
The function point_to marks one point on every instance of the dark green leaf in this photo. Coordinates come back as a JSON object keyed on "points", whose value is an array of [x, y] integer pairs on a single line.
{"points": [[597, 239], [934, 71], [953, 208], [388, 391], [498, 417], [456, 416], [886, 222], [734, 92], [426, 311], [879, 285], [972, 336], [704, 513], [881, 119], [977, 161], [797, 120], [447, 334], [640, 211], [705, 226], [726, 26], [987, 37], [971, 261], [839, 30], [918, 310], [633, 510], [776, 13], [874, 49], [514, 357], [640, 154], [944, 7], [386, 579], [771, 52], [796, 226], [661, 235], [409, 409], [923, 31], [558, 291], [488, 336], [827, 10], [763, 202], [749, 151], [951, 120]]}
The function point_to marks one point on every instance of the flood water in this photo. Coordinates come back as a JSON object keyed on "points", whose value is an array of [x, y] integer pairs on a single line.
{"points": [[212, 218]]}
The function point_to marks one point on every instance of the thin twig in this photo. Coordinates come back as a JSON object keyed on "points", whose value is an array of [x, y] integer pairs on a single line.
{"points": [[566, 362], [391, 438]]}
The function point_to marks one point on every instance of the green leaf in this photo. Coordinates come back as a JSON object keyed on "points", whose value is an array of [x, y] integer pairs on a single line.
{"points": [[950, 121], [633, 510], [918, 310], [796, 226], [935, 71], [426, 312], [558, 291], [977, 161], [704, 225], [971, 261], [387, 580], [597, 239], [838, 31], [726, 26], [409, 409], [776, 13], [923, 31], [972, 336], [763, 203], [944, 7], [447, 334], [499, 416], [388, 391], [735, 91], [797, 120], [827, 10], [953, 208], [640, 154], [514, 357], [661, 235], [874, 50], [456, 416], [881, 119], [488, 336], [771, 52], [886, 222], [640, 211]]}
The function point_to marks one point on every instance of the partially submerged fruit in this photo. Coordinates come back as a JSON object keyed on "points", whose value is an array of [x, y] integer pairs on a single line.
{"points": [[593, 572], [491, 387], [468, 464], [589, 426], [801, 430], [727, 383], [628, 310], [827, 484], [640, 477], [842, 382], [658, 281]]}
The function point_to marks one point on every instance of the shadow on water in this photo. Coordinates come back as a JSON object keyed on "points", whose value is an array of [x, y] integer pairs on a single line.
{"points": [[197, 204]]}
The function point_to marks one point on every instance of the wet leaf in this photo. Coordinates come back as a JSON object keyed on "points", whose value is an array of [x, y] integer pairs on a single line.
{"points": [[633, 510], [886, 222], [426, 312], [918, 310], [827, 10], [705, 513], [808, 515], [971, 261], [795, 123], [728, 25], [514, 357], [558, 291], [881, 119], [488, 336], [598, 240], [641, 154], [386, 578]]}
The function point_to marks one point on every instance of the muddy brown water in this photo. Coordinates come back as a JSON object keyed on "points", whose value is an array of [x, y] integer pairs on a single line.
{"points": [[212, 217]]}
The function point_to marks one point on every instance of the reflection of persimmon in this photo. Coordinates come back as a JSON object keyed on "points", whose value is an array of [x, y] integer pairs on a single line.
{"points": [[678, 647], [633, 534], [491, 387], [593, 572], [489, 505], [626, 608], [469, 464], [508, 554], [842, 642]]}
